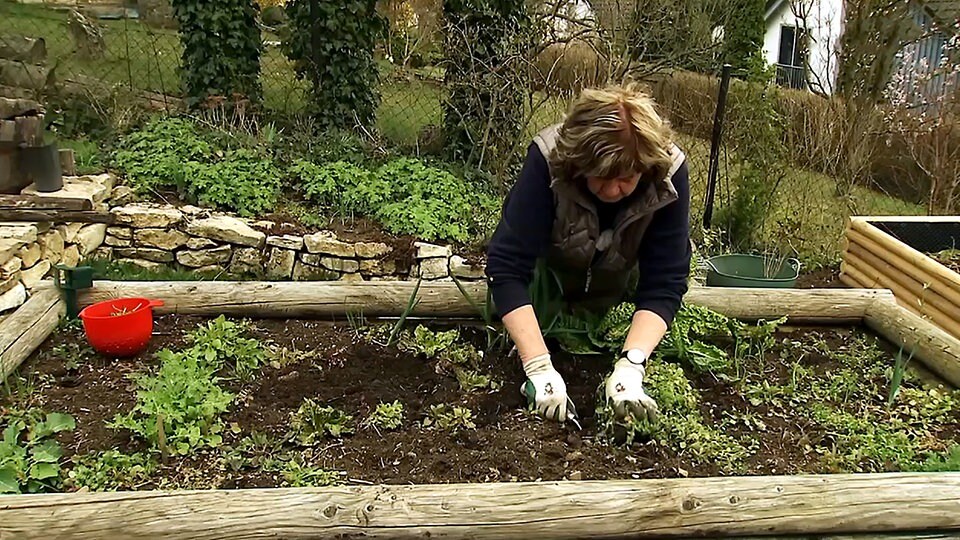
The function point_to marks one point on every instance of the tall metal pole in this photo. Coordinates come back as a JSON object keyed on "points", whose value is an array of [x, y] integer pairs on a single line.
{"points": [[712, 171]]}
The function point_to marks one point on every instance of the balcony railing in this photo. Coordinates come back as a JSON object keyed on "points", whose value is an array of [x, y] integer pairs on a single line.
{"points": [[792, 76]]}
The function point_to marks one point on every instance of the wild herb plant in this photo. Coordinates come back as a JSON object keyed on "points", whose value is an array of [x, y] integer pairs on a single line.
{"points": [[312, 423], [449, 418], [111, 470], [386, 417]]}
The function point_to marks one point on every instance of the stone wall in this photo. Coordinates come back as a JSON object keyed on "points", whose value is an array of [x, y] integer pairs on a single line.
{"points": [[152, 236]]}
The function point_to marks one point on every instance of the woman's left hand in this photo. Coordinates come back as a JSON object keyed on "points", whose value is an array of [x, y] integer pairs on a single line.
{"points": [[624, 390]]}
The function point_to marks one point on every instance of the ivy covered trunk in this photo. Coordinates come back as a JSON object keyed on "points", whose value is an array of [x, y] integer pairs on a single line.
{"points": [[485, 50], [331, 44], [221, 49]]}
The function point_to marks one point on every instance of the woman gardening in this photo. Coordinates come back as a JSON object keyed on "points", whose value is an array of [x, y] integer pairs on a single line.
{"points": [[603, 202]]}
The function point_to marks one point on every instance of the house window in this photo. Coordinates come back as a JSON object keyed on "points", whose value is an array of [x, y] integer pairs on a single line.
{"points": [[791, 60]]}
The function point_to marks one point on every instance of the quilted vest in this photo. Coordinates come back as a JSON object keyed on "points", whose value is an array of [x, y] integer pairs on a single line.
{"points": [[589, 280]]}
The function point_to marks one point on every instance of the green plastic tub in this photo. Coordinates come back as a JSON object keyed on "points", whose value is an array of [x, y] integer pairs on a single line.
{"points": [[740, 270]]}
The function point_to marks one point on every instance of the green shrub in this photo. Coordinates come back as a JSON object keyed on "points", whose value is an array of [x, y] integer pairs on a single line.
{"points": [[404, 195], [221, 48], [173, 153], [331, 45]]}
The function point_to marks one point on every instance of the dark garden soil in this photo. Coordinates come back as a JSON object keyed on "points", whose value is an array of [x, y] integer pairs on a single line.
{"points": [[827, 277], [353, 375]]}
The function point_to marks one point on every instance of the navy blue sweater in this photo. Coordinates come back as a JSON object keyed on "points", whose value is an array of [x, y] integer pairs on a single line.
{"points": [[523, 235]]}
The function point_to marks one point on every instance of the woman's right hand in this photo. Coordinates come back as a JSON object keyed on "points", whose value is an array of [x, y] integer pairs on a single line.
{"points": [[545, 389]]}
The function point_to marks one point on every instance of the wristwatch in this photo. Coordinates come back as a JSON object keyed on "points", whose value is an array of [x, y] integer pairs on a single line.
{"points": [[634, 356]]}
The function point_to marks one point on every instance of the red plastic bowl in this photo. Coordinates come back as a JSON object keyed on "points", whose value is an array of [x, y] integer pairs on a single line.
{"points": [[120, 327]]}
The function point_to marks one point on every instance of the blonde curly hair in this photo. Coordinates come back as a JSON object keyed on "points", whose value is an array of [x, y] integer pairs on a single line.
{"points": [[612, 132]]}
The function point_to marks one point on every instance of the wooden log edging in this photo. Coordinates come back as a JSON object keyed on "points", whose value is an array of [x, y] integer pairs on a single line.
{"points": [[712, 507], [930, 344], [910, 294], [28, 327], [444, 299], [872, 258]]}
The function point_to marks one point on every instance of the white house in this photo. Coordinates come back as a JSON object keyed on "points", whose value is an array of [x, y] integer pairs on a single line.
{"points": [[802, 39]]}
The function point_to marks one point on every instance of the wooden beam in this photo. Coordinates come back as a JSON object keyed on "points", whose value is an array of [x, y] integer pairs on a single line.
{"points": [[910, 294], [856, 240], [691, 507], [56, 216], [32, 202], [28, 327], [907, 253], [444, 299], [929, 343]]}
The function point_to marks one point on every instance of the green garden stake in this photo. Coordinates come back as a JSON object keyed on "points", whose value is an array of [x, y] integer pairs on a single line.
{"points": [[69, 280]]}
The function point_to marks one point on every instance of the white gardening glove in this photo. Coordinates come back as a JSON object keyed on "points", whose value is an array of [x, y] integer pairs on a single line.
{"points": [[624, 389], [544, 388]]}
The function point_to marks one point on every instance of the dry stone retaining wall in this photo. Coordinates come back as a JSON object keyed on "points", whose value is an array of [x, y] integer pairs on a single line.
{"points": [[152, 235]]}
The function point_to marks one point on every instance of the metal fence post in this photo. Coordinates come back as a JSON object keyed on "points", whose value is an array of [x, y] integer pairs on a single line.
{"points": [[715, 146]]}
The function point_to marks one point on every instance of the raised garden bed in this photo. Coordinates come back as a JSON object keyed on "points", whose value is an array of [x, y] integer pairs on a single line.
{"points": [[780, 400], [910, 256]]}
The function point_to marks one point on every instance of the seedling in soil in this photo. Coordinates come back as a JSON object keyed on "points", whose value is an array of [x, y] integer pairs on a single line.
{"points": [[387, 416], [896, 379], [680, 425], [255, 450], [297, 474], [111, 471], [221, 340], [29, 454], [449, 418], [281, 357], [312, 423], [185, 394], [73, 355], [411, 303], [471, 381]]}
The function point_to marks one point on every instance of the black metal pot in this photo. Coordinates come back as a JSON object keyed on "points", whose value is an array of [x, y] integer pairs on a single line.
{"points": [[41, 165]]}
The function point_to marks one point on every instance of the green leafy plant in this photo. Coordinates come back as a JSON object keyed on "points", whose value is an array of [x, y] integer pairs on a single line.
{"points": [[405, 195], [221, 48], [453, 357], [471, 380], [680, 426], [220, 341], [312, 422], [331, 44], [387, 416], [29, 454], [178, 409], [73, 355], [947, 461], [111, 470], [298, 474], [428, 343], [176, 154], [449, 418], [257, 450], [688, 338], [896, 379]]}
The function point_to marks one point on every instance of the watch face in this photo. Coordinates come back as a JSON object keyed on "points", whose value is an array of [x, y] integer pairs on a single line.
{"points": [[635, 356]]}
